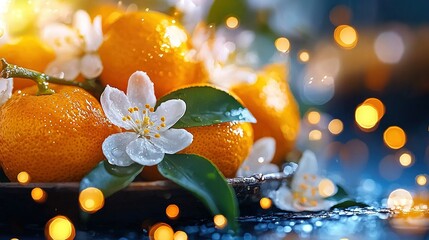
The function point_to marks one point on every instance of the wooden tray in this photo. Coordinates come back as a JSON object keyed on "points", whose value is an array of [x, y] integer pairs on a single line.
{"points": [[133, 205]]}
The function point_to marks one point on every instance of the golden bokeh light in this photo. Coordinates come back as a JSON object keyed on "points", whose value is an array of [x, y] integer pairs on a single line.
{"points": [[282, 44], [400, 199], [265, 203], [421, 180], [180, 235], [335, 126], [59, 227], [38, 195], [313, 117], [366, 116], [346, 36], [91, 199], [327, 188], [172, 211], [406, 159], [232, 22], [304, 56], [23, 178], [377, 104], [220, 221], [163, 232], [315, 135], [394, 137]]}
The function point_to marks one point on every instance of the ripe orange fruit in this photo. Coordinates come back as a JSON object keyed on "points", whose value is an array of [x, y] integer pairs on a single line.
{"points": [[225, 144], [29, 52], [109, 14], [54, 137], [271, 102], [152, 42]]}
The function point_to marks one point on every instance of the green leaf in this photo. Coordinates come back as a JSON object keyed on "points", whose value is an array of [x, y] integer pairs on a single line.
{"points": [[207, 105], [110, 178], [340, 195], [349, 203], [203, 179], [222, 9]]}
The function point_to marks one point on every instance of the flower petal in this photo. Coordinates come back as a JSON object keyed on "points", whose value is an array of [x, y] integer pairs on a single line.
{"points": [[82, 23], [142, 151], [91, 66], [306, 166], [115, 105], [95, 36], [259, 158], [6, 87], [63, 39], [321, 205], [172, 110], [140, 90], [67, 68], [283, 198], [114, 148], [173, 140]]}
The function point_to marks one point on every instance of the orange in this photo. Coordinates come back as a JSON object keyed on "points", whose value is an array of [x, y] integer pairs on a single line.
{"points": [[109, 14], [29, 52], [54, 138], [270, 100], [225, 144], [152, 42]]}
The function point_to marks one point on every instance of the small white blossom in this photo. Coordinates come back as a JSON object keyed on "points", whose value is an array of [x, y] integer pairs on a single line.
{"points": [[259, 159], [304, 193], [213, 49], [149, 134], [6, 87], [75, 47]]}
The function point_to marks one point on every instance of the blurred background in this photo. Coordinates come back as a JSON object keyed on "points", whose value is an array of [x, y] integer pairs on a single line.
{"points": [[358, 69]]}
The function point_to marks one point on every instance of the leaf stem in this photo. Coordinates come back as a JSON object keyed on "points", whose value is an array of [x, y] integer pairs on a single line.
{"points": [[42, 80]]}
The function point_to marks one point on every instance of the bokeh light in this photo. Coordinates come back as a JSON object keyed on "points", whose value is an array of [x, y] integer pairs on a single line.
{"points": [[319, 90], [346, 36], [313, 117], [23, 178], [400, 199], [304, 56], [421, 180], [232, 22], [377, 104], [38, 195], [265, 203], [315, 135], [394, 137], [172, 211], [220, 221], [59, 228], [389, 47], [282, 44], [327, 188], [366, 116], [335, 126], [180, 235], [161, 231], [406, 159], [91, 199]]}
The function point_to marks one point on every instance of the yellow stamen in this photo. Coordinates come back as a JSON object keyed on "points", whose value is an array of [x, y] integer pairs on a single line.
{"points": [[146, 131], [303, 200], [146, 120], [129, 117], [157, 135], [314, 191], [303, 186], [137, 121], [305, 177], [163, 118], [313, 203], [151, 109], [124, 119], [158, 128], [296, 195], [131, 110], [136, 109], [163, 125], [144, 111], [147, 106]]}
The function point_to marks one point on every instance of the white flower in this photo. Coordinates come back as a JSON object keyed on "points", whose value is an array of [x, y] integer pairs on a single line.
{"points": [[149, 134], [75, 46], [259, 159], [213, 49], [304, 193], [6, 86]]}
